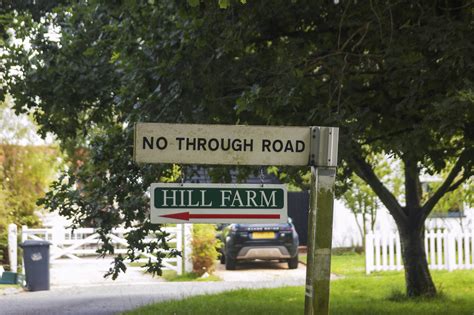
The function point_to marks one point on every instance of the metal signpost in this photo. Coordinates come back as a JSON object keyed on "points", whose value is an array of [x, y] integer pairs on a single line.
{"points": [[248, 145]]}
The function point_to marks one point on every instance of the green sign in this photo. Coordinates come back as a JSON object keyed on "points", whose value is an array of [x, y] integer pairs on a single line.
{"points": [[218, 203]]}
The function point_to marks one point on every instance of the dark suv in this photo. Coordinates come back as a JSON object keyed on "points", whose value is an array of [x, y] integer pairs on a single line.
{"points": [[259, 241]]}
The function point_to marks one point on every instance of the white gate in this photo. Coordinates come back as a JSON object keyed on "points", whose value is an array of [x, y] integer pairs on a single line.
{"points": [[444, 250], [81, 242]]}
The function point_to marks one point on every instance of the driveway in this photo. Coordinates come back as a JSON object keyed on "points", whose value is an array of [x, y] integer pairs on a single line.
{"points": [[66, 273], [84, 291], [256, 271]]}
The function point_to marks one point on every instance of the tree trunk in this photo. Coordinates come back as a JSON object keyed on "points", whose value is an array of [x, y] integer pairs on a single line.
{"points": [[417, 275]]}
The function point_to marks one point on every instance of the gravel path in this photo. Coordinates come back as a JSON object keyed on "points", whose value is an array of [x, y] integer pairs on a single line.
{"points": [[84, 291]]}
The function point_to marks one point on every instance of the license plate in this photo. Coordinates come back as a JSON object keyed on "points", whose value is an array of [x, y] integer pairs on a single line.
{"points": [[263, 235]]}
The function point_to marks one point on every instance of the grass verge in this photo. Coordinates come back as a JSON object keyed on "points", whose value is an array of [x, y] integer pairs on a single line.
{"points": [[345, 264], [172, 276], [355, 293]]}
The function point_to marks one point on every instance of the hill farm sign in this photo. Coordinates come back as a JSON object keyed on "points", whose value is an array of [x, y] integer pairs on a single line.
{"points": [[220, 203]]}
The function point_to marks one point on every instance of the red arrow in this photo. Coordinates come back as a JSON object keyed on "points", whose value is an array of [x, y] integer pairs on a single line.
{"points": [[185, 216]]}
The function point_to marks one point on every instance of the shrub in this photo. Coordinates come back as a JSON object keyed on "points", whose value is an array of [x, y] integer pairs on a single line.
{"points": [[3, 245], [205, 247]]}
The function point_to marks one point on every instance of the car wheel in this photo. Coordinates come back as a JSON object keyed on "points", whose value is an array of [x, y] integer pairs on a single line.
{"points": [[293, 262], [230, 264]]}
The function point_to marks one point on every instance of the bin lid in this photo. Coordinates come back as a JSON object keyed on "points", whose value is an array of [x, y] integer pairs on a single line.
{"points": [[34, 243]]}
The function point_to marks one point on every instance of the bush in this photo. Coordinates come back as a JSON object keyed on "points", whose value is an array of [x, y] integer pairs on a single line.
{"points": [[25, 174], [3, 245], [204, 248]]}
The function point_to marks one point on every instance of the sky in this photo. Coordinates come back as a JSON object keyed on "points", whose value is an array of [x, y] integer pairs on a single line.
{"points": [[19, 129]]}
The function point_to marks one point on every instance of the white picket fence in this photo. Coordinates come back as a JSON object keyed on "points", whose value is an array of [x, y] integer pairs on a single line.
{"points": [[444, 250], [82, 242]]}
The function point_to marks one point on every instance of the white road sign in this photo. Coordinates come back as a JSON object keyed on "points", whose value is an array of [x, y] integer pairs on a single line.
{"points": [[221, 144]]}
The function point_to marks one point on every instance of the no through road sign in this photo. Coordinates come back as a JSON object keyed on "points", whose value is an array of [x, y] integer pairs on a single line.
{"points": [[221, 144]]}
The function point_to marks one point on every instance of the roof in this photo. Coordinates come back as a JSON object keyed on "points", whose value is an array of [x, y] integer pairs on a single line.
{"points": [[199, 174]]}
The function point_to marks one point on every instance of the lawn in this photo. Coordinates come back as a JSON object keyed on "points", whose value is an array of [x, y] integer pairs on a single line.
{"points": [[171, 276], [354, 293]]}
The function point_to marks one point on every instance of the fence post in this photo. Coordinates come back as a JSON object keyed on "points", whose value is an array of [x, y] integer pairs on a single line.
{"points": [[187, 250], [439, 250], [450, 252], [391, 251], [467, 252], [24, 237], [369, 252], [398, 248], [58, 234], [13, 247], [472, 248], [24, 234], [179, 230]]}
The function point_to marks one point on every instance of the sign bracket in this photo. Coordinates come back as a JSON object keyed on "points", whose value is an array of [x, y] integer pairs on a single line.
{"points": [[324, 146]]}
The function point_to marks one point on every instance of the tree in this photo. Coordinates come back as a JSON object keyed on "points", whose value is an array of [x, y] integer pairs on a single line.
{"points": [[361, 199], [396, 78], [25, 173], [453, 201]]}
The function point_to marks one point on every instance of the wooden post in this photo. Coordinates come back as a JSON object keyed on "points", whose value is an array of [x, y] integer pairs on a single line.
{"points": [[319, 241], [13, 247], [323, 161]]}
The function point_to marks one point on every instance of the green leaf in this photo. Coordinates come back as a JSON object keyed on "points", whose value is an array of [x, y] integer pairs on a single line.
{"points": [[194, 3], [224, 4]]}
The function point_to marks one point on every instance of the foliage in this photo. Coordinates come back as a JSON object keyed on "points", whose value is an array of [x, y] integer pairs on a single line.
{"points": [[453, 201], [205, 247], [360, 197], [362, 202], [25, 172], [19, 129], [396, 78]]}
